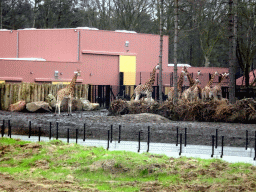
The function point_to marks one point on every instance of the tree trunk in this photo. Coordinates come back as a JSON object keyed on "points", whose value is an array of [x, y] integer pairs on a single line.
{"points": [[207, 61], [175, 49], [161, 50]]}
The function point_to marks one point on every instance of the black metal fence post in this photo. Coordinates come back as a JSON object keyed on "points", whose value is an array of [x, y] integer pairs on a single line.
{"points": [[212, 145], [76, 135], [111, 133], [39, 134], [139, 143], [180, 144], [185, 137], [119, 135], [216, 139], [148, 138], [177, 136], [254, 147], [222, 145], [68, 135], [84, 132], [50, 134], [57, 131], [9, 128], [246, 139], [2, 129], [29, 129], [108, 140]]}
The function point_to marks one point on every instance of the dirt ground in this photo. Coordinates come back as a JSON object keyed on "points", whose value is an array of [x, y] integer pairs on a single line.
{"points": [[96, 124]]}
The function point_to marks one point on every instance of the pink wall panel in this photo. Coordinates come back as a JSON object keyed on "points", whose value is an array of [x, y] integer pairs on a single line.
{"points": [[12, 69], [52, 45], [8, 45], [100, 69]]}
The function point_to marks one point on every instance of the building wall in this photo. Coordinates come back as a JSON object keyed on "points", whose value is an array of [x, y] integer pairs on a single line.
{"points": [[95, 52]]}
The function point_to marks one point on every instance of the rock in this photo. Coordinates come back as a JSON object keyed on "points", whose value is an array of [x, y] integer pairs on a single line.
{"points": [[88, 106], [19, 106], [51, 100], [35, 106]]}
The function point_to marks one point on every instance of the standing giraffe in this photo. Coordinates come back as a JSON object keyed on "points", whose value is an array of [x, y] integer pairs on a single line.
{"points": [[216, 92], [194, 90], [67, 92], [207, 88], [179, 86], [147, 87]]}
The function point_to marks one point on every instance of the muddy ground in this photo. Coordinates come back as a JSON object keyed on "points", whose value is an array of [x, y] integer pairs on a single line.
{"points": [[97, 123]]}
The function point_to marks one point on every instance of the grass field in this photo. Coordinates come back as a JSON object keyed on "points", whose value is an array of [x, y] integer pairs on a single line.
{"points": [[58, 166]]}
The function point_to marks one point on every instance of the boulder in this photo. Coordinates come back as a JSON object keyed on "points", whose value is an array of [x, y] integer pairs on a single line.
{"points": [[19, 106], [88, 106], [51, 100], [38, 105]]}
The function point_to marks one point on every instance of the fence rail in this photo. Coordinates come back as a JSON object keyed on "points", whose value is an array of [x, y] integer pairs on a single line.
{"points": [[179, 139]]}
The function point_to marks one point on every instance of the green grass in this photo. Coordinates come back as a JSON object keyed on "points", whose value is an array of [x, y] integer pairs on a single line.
{"points": [[104, 170]]}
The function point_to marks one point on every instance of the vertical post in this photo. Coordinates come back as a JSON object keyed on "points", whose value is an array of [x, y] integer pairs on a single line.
{"points": [[246, 139], [222, 145], [84, 132], [148, 138], [177, 136], [76, 135], [185, 137], [108, 140], [212, 145], [111, 133], [175, 59], [29, 129], [139, 143], [119, 135], [50, 134], [180, 144], [39, 133], [9, 128], [68, 135], [254, 146], [2, 131], [216, 145], [57, 131]]}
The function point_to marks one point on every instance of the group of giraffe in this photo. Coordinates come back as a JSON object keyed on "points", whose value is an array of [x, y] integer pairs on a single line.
{"points": [[193, 93]]}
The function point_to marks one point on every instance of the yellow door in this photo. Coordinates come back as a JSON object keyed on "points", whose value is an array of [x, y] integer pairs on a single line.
{"points": [[127, 65]]}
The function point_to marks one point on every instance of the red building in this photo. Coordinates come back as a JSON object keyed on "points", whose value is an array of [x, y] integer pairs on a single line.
{"points": [[52, 55]]}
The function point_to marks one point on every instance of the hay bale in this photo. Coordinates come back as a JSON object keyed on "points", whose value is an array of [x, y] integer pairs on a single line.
{"points": [[118, 107]]}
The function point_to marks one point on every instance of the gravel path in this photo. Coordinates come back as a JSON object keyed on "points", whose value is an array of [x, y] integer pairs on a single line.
{"points": [[98, 122]]}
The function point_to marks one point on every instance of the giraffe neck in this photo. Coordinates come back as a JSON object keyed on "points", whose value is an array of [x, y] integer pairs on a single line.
{"points": [[73, 82], [151, 81], [209, 84], [221, 79], [180, 81], [191, 80]]}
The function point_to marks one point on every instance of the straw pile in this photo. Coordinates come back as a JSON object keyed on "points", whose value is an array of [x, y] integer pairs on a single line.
{"points": [[243, 111]]}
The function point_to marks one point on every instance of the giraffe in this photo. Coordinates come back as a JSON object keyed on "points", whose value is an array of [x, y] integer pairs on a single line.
{"points": [[194, 89], [179, 86], [216, 92], [67, 92], [147, 87], [207, 88]]}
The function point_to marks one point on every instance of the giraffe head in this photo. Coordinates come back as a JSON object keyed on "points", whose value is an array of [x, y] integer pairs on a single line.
{"points": [[216, 73], [78, 72]]}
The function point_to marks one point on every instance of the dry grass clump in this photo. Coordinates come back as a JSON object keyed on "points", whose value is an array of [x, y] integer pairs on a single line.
{"points": [[243, 111], [118, 107]]}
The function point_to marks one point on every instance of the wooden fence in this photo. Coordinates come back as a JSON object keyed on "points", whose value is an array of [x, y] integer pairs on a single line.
{"points": [[30, 92]]}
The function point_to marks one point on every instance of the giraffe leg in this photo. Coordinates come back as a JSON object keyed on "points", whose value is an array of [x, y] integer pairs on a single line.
{"points": [[70, 106], [137, 96], [149, 96]]}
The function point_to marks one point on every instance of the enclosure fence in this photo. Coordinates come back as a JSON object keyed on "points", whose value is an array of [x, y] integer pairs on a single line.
{"points": [[144, 139]]}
